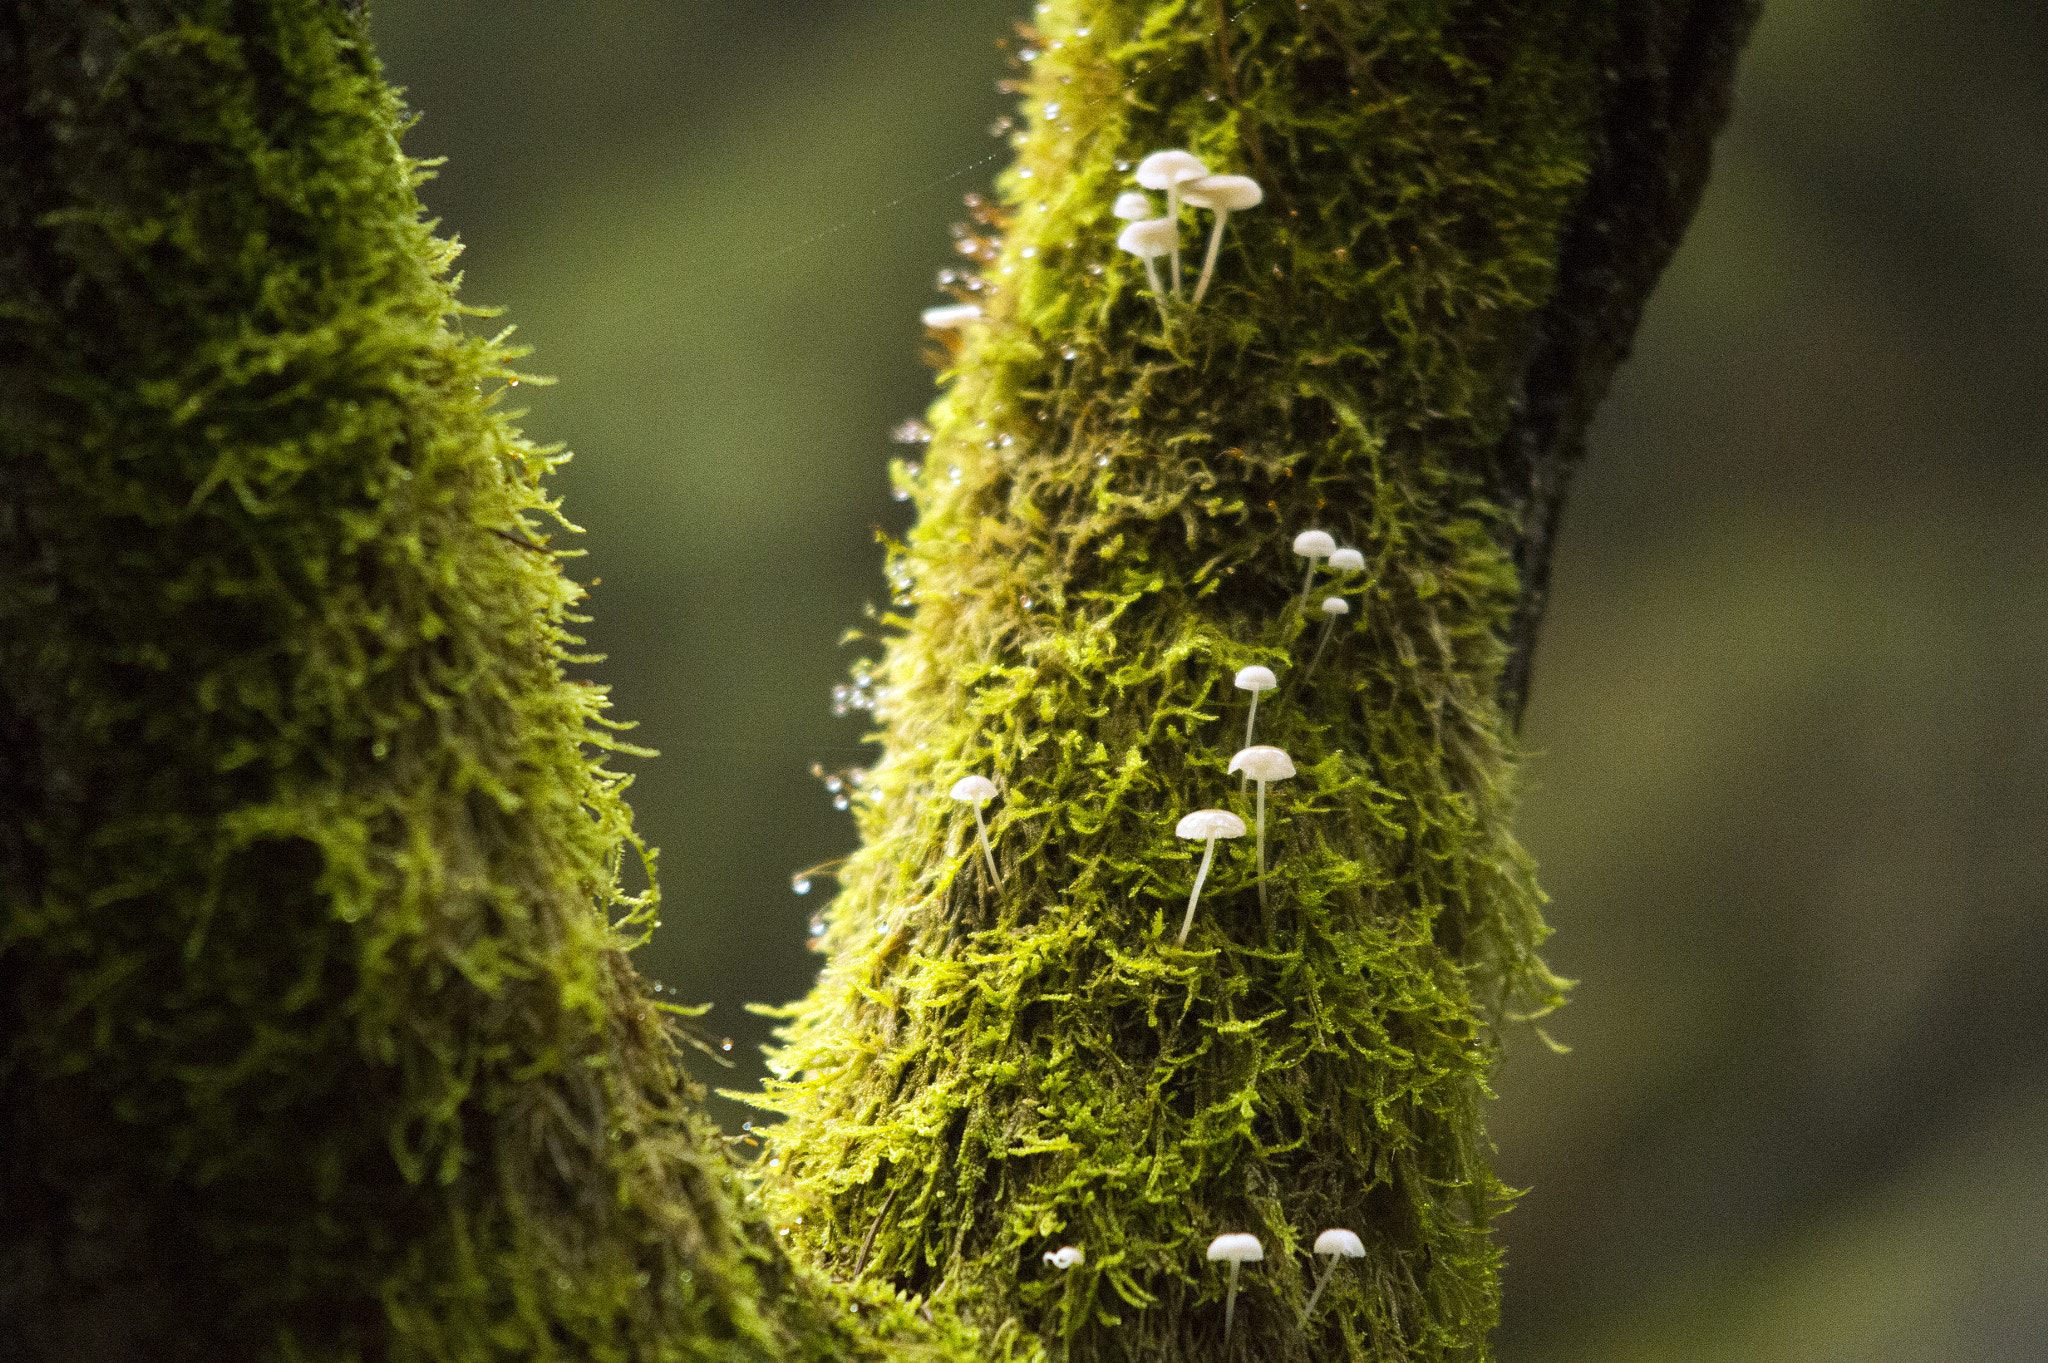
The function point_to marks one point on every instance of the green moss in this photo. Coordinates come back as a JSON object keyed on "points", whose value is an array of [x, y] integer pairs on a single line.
{"points": [[321, 1040], [1105, 517]]}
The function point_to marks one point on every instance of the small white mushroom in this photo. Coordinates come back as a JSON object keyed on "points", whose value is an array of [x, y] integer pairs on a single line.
{"points": [[1347, 561], [1312, 545], [978, 791], [1333, 1245], [1149, 239], [1209, 825], [1167, 170], [1066, 1256], [1263, 763], [1131, 205], [1333, 606], [952, 317], [1236, 1249], [1222, 195], [1254, 679]]}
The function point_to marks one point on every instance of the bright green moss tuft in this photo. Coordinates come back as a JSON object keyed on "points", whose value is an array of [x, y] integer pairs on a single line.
{"points": [[985, 1074]]}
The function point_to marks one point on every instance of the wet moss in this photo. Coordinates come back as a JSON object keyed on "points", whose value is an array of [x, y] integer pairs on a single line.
{"points": [[985, 1072]]}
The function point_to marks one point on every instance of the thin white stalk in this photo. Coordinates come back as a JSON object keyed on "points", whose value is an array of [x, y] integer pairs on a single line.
{"points": [[1244, 778], [1262, 844], [1173, 216], [1307, 580], [1329, 628], [1229, 1304], [1158, 295], [1321, 1283], [1209, 265], [1208, 851], [982, 829]]}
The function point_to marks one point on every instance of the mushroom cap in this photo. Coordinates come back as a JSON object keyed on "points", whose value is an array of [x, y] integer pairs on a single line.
{"points": [[1133, 205], [1163, 168], [1314, 544], [1149, 237], [1340, 1241], [1227, 193], [974, 789], [1066, 1256], [952, 316], [1262, 762], [1347, 560], [1238, 1247], [1256, 678], [1209, 823], [1336, 605]]}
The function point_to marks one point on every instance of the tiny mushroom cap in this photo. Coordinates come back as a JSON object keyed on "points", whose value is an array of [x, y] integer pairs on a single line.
{"points": [[1149, 237], [1066, 1256], [1336, 605], [1256, 679], [1347, 561], [1344, 1242], [1238, 1248], [1227, 192], [974, 789], [1209, 823], [952, 317], [1133, 205], [1314, 544], [1263, 763], [1164, 168]]}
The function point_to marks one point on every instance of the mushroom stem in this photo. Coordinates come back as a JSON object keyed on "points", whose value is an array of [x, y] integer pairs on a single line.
{"points": [[1308, 579], [1329, 628], [1209, 264], [1262, 844], [1208, 851], [1244, 779], [1158, 294], [1173, 216], [982, 829], [1230, 1303], [1321, 1283]]}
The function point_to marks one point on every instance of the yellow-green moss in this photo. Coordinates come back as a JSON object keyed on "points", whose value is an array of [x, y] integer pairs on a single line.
{"points": [[1105, 518], [320, 1041]]}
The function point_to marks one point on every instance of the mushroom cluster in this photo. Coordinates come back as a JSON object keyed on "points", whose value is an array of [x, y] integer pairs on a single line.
{"points": [[1186, 181]]}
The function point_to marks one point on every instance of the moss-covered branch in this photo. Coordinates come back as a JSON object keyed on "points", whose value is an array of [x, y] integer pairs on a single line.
{"points": [[987, 1071]]}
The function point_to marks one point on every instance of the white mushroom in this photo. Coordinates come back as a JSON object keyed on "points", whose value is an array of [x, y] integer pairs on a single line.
{"points": [[1132, 205], [1222, 195], [1263, 763], [951, 317], [1333, 606], [1167, 170], [1334, 1245], [1236, 1249], [1149, 239], [1209, 825], [1347, 561], [1312, 545], [978, 791], [1066, 1256], [1254, 679]]}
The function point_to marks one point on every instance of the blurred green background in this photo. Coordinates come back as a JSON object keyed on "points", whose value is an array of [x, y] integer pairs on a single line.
{"points": [[1791, 708]]}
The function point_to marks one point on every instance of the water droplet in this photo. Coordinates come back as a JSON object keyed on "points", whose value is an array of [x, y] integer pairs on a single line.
{"points": [[1070, 354], [776, 1163], [901, 494], [1082, 32], [817, 928], [1028, 252], [1052, 108], [953, 475], [1029, 54], [725, 1045], [911, 431], [1027, 603], [802, 884], [1006, 441], [839, 802], [1102, 461], [1095, 269], [833, 783], [1123, 165]]}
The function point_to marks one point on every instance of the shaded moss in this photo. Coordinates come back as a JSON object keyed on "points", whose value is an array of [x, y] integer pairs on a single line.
{"points": [[320, 1040], [987, 1072]]}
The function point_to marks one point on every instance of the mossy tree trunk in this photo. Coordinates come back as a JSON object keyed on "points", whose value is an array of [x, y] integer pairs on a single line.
{"points": [[320, 1040], [1465, 204]]}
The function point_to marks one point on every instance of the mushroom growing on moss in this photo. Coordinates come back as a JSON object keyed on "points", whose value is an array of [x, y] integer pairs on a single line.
{"points": [[1168, 170], [1313, 545], [1209, 825], [978, 791], [1221, 195], [1254, 679], [1149, 239], [1333, 606], [1235, 1249], [1066, 1256], [1263, 763], [1131, 205], [1347, 561], [1334, 1245]]}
